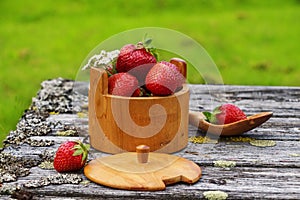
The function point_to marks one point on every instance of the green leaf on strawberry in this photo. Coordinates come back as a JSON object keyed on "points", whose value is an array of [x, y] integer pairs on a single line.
{"points": [[208, 116], [147, 41], [81, 148], [149, 47]]}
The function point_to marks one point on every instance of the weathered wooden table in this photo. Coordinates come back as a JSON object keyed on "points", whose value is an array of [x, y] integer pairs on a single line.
{"points": [[236, 167]]}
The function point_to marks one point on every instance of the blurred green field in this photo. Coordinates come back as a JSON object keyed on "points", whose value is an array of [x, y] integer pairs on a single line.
{"points": [[252, 42]]}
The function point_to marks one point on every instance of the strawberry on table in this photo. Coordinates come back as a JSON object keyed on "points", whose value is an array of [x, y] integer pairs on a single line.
{"points": [[123, 84], [136, 59], [71, 156], [225, 114], [163, 79]]}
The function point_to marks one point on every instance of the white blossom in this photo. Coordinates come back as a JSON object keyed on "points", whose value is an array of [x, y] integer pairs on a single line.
{"points": [[101, 60]]}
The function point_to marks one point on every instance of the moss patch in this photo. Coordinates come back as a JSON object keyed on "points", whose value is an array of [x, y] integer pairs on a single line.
{"points": [[82, 115], [239, 139], [66, 133], [202, 139], [224, 164], [263, 143], [215, 195], [46, 165]]}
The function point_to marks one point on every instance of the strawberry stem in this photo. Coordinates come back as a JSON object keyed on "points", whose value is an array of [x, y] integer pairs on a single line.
{"points": [[146, 42], [140, 45]]}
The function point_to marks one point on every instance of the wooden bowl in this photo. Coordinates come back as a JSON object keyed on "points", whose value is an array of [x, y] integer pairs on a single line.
{"points": [[118, 124]]}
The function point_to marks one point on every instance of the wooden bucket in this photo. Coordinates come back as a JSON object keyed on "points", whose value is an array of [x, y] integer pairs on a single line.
{"points": [[118, 124]]}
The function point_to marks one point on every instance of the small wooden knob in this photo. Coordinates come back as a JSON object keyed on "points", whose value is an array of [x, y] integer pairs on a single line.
{"points": [[181, 64], [142, 152]]}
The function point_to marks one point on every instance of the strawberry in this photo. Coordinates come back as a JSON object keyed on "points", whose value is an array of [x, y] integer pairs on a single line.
{"points": [[135, 59], [123, 84], [225, 114], [138, 93], [71, 156], [163, 79]]}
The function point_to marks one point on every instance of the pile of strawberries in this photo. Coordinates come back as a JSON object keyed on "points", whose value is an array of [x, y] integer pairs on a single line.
{"points": [[137, 73]]}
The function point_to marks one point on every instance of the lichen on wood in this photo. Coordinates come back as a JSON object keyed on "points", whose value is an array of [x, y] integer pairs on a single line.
{"points": [[56, 179], [82, 115], [224, 163], [67, 133], [263, 143], [12, 167], [202, 140], [294, 154], [9, 188], [239, 139], [215, 195], [46, 165]]}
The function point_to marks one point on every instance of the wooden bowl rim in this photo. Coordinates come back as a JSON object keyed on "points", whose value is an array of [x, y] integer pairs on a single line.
{"points": [[185, 89]]}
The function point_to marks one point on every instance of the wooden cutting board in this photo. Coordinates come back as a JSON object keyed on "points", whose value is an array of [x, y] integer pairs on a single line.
{"points": [[141, 170]]}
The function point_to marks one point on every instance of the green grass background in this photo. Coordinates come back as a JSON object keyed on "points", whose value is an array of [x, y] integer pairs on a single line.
{"points": [[252, 42]]}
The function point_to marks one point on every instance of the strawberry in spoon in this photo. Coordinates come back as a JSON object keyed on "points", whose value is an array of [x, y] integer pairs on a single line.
{"points": [[218, 123]]}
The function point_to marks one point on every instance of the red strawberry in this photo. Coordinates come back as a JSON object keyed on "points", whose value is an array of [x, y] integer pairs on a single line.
{"points": [[123, 84], [225, 114], [135, 59], [137, 93], [164, 78], [71, 156]]}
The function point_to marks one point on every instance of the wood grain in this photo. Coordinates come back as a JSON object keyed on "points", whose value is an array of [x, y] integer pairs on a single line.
{"points": [[123, 171]]}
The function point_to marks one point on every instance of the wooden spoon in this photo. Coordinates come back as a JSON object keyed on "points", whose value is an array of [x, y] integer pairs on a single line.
{"points": [[236, 128], [198, 119]]}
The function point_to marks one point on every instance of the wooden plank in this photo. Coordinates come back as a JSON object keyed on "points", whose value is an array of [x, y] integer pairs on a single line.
{"points": [[284, 150], [275, 128], [259, 172], [283, 101], [237, 182], [284, 154]]}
